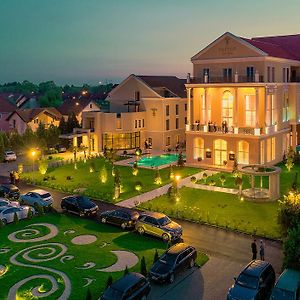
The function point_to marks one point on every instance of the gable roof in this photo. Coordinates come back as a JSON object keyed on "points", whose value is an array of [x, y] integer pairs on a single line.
{"points": [[172, 83], [285, 46], [5, 105], [29, 114], [74, 105]]}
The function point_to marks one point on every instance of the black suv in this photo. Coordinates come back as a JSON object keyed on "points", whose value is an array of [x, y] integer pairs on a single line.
{"points": [[132, 286], [254, 282], [176, 259], [125, 218], [80, 205], [9, 191]]}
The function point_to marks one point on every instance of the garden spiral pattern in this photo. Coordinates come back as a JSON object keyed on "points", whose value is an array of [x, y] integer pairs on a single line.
{"points": [[36, 254]]}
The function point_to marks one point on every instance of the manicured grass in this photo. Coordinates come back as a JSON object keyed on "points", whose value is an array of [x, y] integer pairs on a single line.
{"points": [[95, 252], [91, 184], [220, 209]]}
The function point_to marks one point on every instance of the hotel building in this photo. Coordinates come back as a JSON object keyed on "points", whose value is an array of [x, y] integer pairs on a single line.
{"points": [[243, 101], [144, 110]]}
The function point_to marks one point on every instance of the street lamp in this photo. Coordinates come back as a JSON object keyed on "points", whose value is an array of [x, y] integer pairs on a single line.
{"points": [[33, 153]]}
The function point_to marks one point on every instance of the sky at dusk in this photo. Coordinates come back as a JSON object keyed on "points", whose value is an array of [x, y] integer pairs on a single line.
{"points": [[87, 41]]}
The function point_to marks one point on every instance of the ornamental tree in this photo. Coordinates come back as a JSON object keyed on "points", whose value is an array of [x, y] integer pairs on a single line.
{"points": [[103, 174], [290, 159]]}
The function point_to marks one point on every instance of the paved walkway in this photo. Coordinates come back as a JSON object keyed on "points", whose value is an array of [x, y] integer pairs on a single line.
{"points": [[135, 201], [212, 188]]}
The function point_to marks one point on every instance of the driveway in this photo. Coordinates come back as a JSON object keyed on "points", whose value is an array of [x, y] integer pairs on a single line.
{"points": [[228, 252]]}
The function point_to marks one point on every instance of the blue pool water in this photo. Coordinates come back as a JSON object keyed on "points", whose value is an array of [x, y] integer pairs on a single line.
{"points": [[157, 161]]}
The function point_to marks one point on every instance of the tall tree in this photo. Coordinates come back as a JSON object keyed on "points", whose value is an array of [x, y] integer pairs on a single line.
{"points": [[72, 122], [62, 126]]}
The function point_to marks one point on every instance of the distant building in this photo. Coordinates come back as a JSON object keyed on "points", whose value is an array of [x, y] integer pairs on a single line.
{"points": [[77, 106], [244, 101], [145, 111], [6, 108], [20, 119]]}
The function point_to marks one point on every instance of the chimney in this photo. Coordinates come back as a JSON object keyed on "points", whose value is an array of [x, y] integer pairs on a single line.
{"points": [[188, 78]]}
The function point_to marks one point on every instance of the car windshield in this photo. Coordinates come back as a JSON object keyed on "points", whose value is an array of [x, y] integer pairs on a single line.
{"points": [[168, 259], [9, 152], [47, 195], [112, 293], [14, 189], [83, 200], [164, 221], [247, 281], [2, 208], [282, 294]]}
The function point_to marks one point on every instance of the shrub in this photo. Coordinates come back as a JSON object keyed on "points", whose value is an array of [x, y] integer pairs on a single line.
{"points": [[157, 178], [89, 295], [43, 167], [103, 174], [69, 177], [204, 177], [171, 172], [180, 161], [290, 159], [109, 281], [138, 186], [29, 214], [40, 210], [1, 223], [143, 266], [16, 219], [222, 179], [126, 271], [291, 248], [193, 179]]}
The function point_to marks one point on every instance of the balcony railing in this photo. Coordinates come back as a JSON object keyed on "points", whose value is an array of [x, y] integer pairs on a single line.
{"points": [[230, 129], [227, 79]]}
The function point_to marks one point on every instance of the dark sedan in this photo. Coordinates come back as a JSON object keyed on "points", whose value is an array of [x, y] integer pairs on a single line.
{"points": [[125, 218], [176, 259], [9, 191], [79, 205], [133, 286]]}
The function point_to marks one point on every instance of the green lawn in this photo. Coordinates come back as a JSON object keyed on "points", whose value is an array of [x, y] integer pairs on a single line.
{"points": [[90, 182], [83, 254], [220, 209]]}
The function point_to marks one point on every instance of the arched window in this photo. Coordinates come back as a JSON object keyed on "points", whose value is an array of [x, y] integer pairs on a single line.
{"points": [[243, 152], [198, 148], [220, 152], [227, 108]]}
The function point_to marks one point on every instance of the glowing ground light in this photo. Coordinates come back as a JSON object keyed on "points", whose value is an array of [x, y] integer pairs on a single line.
{"points": [[3, 270]]}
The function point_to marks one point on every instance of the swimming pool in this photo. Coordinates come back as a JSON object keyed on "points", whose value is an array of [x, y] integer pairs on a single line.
{"points": [[157, 161]]}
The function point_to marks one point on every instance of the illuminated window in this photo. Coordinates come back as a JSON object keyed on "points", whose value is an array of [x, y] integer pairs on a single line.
{"points": [[227, 108], [250, 111], [262, 152], [273, 144], [285, 108], [118, 124], [220, 152], [271, 148], [121, 141], [198, 148], [271, 110], [243, 152]]}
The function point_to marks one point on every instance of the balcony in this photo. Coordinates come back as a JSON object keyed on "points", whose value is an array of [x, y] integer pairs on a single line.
{"points": [[214, 129], [232, 79]]}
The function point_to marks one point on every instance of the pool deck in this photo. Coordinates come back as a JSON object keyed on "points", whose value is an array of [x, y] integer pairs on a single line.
{"points": [[128, 162]]}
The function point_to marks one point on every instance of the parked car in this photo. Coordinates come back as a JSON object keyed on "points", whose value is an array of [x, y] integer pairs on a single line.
{"points": [[133, 286], [37, 197], [254, 282], [6, 202], [9, 191], [160, 225], [287, 286], [176, 259], [80, 205], [10, 156], [7, 213], [61, 148], [125, 218]]}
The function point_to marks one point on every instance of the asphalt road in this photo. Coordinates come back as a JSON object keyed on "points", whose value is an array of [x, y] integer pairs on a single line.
{"points": [[228, 253]]}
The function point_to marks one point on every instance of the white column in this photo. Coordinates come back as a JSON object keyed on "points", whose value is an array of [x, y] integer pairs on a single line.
{"points": [[206, 108], [257, 106], [188, 125]]}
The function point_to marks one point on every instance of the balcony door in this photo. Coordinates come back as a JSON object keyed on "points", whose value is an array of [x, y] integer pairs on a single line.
{"points": [[227, 108], [220, 152]]}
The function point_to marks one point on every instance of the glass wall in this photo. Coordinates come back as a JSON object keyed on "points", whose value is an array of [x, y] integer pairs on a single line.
{"points": [[121, 141]]}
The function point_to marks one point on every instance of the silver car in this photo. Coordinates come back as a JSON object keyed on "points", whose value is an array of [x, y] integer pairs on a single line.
{"points": [[37, 197], [10, 156], [6, 202], [7, 213]]}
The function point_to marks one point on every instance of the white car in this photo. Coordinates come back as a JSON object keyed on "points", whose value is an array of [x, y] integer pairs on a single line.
{"points": [[7, 213], [5, 202], [37, 197], [10, 156]]}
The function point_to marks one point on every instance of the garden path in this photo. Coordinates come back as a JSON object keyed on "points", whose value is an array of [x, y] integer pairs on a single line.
{"points": [[137, 200]]}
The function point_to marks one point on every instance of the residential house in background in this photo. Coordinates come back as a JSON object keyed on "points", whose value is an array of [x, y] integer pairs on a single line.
{"points": [[145, 112], [20, 119], [6, 108], [77, 106], [243, 101]]}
